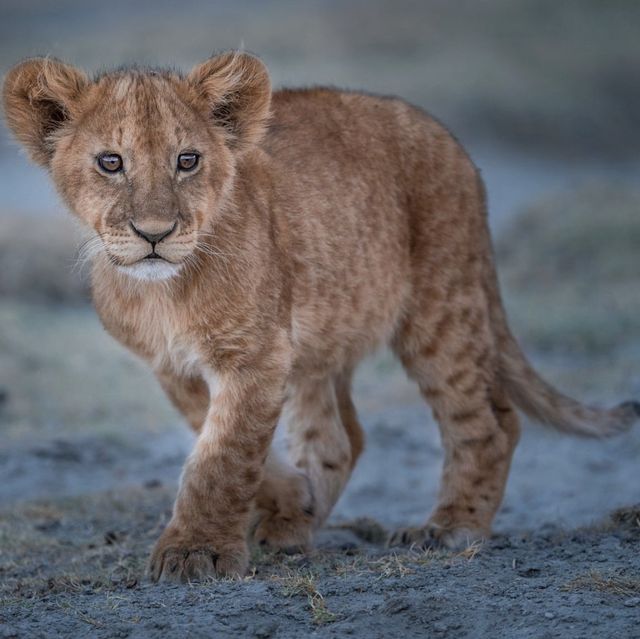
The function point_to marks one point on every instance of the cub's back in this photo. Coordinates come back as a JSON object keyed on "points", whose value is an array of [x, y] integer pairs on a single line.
{"points": [[340, 132], [357, 174], [342, 171]]}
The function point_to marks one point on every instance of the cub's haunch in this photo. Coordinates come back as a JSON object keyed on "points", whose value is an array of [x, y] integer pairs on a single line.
{"points": [[252, 246]]}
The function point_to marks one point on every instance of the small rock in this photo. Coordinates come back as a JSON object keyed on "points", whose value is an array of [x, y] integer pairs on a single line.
{"points": [[633, 601], [529, 572], [60, 451], [265, 631], [395, 605], [301, 562], [549, 615], [48, 526], [438, 626], [501, 542], [112, 537]]}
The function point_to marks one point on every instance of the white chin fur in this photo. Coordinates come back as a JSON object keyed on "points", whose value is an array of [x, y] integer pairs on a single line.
{"points": [[149, 270]]}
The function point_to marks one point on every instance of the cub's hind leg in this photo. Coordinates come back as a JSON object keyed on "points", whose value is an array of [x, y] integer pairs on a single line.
{"points": [[284, 507], [451, 357], [325, 440]]}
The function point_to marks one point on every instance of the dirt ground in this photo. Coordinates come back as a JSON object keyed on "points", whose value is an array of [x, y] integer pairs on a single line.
{"points": [[75, 565], [76, 571]]}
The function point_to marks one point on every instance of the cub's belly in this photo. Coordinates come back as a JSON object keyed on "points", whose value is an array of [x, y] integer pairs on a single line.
{"points": [[333, 329]]}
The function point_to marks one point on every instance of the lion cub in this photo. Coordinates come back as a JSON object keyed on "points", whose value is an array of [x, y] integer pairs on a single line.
{"points": [[252, 246]]}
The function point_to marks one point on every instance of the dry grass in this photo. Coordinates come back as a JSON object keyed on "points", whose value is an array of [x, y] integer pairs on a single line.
{"points": [[628, 517], [612, 582], [304, 585], [393, 564], [68, 608], [471, 550], [398, 565]]}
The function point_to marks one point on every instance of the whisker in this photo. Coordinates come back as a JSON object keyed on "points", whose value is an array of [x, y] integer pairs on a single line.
{"points": [[89, 249]]}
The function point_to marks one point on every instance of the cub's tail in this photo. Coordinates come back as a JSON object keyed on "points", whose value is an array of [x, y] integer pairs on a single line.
{"points": [[538, 399], [532, 394]]}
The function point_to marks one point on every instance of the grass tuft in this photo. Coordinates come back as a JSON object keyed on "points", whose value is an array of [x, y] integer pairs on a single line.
{"points": [[613, 583], [304, 584]]}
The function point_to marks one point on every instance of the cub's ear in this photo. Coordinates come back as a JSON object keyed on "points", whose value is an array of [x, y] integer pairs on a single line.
{"points": [[40, 96], [235, 90]]}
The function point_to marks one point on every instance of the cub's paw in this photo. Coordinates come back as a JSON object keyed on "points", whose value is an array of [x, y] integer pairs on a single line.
{"points": [[287, 533], [284, 514], [176, 558], [433, 536]]}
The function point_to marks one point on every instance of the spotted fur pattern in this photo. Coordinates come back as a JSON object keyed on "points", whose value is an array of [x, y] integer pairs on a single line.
{"points": [[317, 224]]}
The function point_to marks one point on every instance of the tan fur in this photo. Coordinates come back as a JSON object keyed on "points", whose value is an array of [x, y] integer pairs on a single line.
{"points": [[317, 225]]}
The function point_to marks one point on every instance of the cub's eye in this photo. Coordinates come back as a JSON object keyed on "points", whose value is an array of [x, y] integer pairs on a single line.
{"points": [[110, 162], [187, 161]]}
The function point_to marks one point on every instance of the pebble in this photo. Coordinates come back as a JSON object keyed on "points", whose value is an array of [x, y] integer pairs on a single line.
{"points": [[395, 605], [633, 601], [265, 631], [549, 615]]}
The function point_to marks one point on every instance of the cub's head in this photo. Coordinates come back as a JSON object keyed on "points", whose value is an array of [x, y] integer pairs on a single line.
{"points": [[146, 158]]}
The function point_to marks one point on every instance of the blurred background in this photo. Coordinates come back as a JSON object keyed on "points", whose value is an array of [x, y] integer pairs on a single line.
{"points": [[544, 94]]}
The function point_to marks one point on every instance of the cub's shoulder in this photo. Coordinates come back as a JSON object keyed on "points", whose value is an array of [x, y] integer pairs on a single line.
{"points": [[327, 116]]}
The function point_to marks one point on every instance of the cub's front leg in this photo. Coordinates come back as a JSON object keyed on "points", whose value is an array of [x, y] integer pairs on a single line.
{"points": [[207, 532]]}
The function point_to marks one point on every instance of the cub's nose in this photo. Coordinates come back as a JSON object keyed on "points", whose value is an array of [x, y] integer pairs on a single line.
{"points": [[151, 232]]}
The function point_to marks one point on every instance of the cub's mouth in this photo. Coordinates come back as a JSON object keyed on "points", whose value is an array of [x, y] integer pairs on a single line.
{"points": [[151, 267]]}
